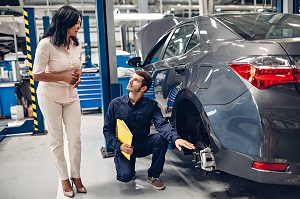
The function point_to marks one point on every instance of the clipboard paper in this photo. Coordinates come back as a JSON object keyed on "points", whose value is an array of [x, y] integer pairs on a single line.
{"points": [[124, 135]]}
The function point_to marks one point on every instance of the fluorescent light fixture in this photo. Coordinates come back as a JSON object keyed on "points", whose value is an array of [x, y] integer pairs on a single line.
{"points": [[137, 16]]}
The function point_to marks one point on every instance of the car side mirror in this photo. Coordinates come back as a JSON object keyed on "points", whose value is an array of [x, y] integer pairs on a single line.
{"points": [[135, 61]]}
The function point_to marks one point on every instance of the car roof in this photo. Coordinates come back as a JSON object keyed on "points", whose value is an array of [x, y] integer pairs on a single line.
{"points": [[244, 25]]}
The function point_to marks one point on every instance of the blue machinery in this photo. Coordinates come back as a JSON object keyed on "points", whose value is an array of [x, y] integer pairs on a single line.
{"points": [[37, 124]]}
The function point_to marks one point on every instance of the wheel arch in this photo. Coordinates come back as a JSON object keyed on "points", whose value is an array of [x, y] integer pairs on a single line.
{"points": [[190, 119]]}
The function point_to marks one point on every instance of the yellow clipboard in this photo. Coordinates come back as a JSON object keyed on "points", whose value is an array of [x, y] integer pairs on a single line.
{"points": [[124, 135]]}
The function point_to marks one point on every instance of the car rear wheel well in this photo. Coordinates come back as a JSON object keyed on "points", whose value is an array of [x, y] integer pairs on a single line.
{"points": [[189, 124]]}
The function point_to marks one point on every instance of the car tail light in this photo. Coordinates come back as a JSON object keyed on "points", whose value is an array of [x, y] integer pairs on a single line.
{"points": [[266, 71], [297, 63], [269, 166], [298, 74]]}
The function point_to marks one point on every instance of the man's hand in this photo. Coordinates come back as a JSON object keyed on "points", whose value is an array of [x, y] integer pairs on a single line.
{"points": [[126, 148], [181, 142]]}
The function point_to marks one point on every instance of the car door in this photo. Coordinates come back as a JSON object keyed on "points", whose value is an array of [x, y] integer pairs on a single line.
{"points": [[169, 63]]}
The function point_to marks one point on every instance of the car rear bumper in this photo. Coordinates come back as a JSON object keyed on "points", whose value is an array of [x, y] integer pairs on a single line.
{"points": [[241, 165]]}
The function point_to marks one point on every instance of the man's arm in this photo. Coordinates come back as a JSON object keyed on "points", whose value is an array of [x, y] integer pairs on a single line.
{"points": [[167, 131], [163, 126], [109, 128]]}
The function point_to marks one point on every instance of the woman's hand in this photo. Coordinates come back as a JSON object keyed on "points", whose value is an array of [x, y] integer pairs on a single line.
{"points": [[78, 73], [73, 79], [126, 148], [70, 78]]}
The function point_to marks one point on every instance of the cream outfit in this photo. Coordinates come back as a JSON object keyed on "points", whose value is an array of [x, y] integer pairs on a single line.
{"points": [[59, 103]]}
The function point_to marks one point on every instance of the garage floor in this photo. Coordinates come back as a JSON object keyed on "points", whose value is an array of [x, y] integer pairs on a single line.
{"points": [[27, 172]]}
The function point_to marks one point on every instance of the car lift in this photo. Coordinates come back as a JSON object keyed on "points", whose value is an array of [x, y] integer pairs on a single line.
{"points": [[107, 60]]}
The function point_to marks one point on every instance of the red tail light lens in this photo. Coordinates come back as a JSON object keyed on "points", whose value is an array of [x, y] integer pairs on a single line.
{"points": [[266, 71], [269, 166], [297, 64], [298, 74]]}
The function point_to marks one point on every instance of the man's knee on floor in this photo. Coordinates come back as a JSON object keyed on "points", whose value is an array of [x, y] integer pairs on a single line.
{"points": [[125, 177]]}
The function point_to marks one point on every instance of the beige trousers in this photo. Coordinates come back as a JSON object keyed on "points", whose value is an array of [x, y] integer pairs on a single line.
{"points": [[57, 114]]}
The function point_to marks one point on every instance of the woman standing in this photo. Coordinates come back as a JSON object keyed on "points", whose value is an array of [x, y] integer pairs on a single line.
{"points": [[57, 66]]}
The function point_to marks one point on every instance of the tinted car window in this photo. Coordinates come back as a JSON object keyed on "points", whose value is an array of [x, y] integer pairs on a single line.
{"points": [[156, 56], [155, 52], [193, 41], [263, 25], [179, 41], [211, 31]]}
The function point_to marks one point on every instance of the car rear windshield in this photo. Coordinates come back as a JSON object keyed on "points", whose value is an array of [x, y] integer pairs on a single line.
{"points": [[257, 26]]}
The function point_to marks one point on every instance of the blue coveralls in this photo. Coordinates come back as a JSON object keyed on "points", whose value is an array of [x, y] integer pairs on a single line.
{"points": [[138, 118]]}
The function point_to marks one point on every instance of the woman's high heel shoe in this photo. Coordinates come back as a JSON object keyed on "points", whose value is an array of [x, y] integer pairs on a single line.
{"points": [[79, 187], [66, 184]]}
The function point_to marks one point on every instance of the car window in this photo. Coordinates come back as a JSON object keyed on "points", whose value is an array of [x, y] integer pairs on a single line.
{"points": [[276, 32], [193, 41], [156, 55], [178, 41], [263, 26]]}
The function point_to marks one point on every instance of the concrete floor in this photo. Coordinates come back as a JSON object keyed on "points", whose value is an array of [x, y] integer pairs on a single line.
{"points": [[27, 172]]}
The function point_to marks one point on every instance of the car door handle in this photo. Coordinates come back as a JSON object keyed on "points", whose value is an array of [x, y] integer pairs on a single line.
{"points": [[180, 69]]}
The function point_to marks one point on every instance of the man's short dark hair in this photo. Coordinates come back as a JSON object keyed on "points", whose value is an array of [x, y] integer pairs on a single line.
{"points": [[147, 78]]}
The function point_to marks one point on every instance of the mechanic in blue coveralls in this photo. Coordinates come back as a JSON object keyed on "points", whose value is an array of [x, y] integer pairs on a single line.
{"points": [[139, 112]]}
